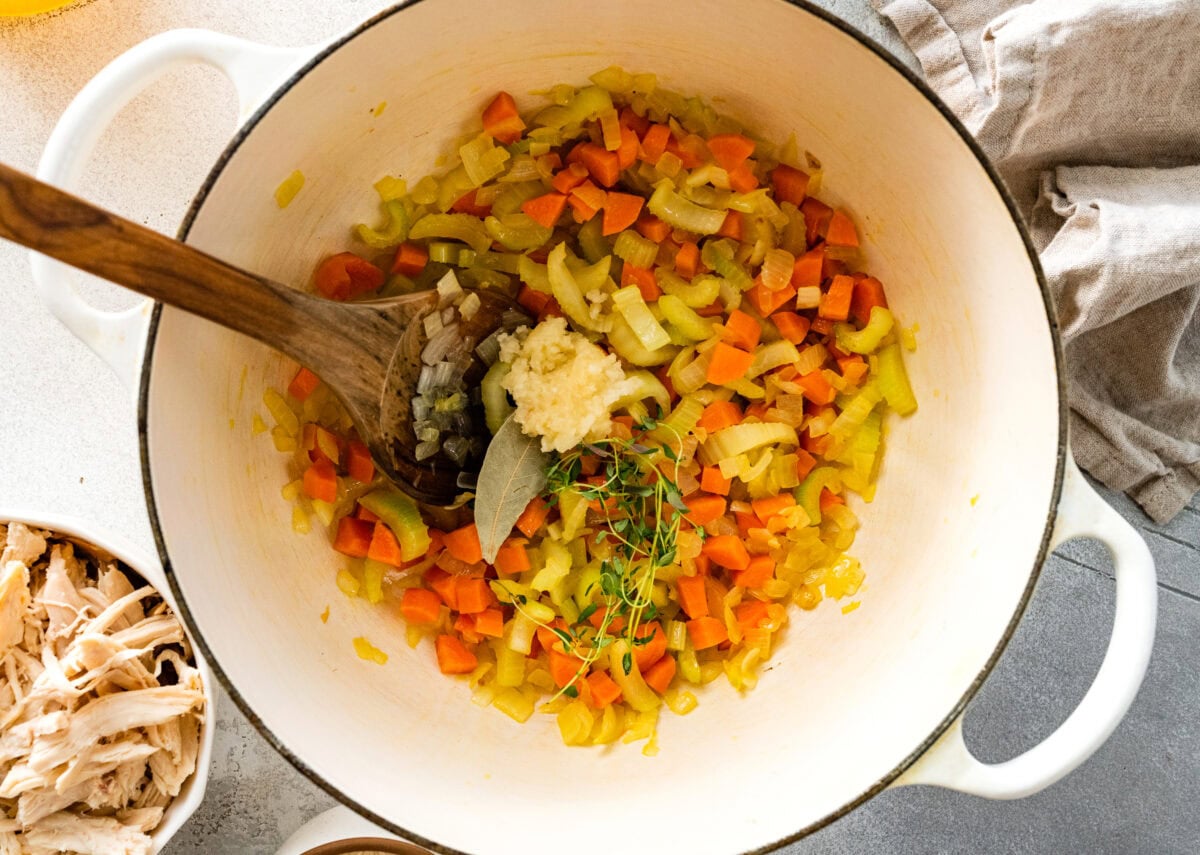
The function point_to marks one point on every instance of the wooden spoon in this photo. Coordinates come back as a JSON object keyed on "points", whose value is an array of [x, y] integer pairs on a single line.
{"points": [[369, 353]]}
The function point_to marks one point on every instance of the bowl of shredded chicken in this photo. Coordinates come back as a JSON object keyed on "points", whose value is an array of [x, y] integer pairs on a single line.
{"points": [[104, 707]]}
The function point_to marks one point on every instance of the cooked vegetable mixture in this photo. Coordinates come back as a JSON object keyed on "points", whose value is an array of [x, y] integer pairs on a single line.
{"points": [[701, 385]]}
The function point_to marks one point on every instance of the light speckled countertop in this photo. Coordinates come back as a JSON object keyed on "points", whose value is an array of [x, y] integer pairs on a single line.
{"points": [[68, 443]]}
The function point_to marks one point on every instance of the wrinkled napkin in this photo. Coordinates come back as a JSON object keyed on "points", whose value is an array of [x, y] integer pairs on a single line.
{"points": [[1091, 112]]}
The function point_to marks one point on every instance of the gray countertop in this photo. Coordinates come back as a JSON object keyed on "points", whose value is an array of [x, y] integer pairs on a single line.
{"points": [[67, 442]]}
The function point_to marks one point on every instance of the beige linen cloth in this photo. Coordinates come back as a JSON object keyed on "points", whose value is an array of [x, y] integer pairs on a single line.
{"points": [[1091, 112]]}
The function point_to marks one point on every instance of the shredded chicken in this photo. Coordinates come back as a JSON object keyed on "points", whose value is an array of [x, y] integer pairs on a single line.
{"points": [[101, 705]]}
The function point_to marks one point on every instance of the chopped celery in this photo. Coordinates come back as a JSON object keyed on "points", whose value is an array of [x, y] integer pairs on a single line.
{"points": [[454, 185], [637, 694], [444, 252], [719, 256], [772, 355], [867, 339], [400, 513], [464, 227], [592, 243], [697, 294], [588, 103], [643, 385], [808, 494], [373, 572], [682, 213], [496, 407], [682, 318], [893, 381], [855, 412], [482, 159], [534, 275], [516, 232], [629, 303], [680, 422], [503, 262], [574, 512], [614, 79], [739, 439], [634, 249], [426, 191], [629, 347], [590, 276], [557, 564], [394, 232], [512, 196], [569, 294]]}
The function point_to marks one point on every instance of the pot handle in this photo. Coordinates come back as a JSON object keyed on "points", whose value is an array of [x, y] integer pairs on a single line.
{"points": [[949, 763], [255, 71]]}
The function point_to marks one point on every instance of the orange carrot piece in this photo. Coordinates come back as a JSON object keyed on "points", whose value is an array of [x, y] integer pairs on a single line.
{"points": [[742, 179], [730, 150], [768, 507], [569, 178], [384, 547], [365, 515], [621, 211], [829, 499], [603, 165], [835, 303], [816, 219], [604, 689], [501, 121], [741, 330], [853, 368], [533, 517], [320, 482], [654, 143], [727, 550], [868, 293], [732, 227], [345, 276], [712, 481], [419, 605], [581, 210], [545, 210], [643, 279], [359, 463], [719, 415], [628, 149], [806, 272], [303, 384], [629, 119], [791, 326], [652, 228], [816, 388], [564, 668], [767, 301], [659, 675], [466, 204], [597, 620], [532, 300], [463, 544], [822, 326], [745, 522], [750, 613], [687, 259], [590, 195], [692, 598], [692, 151], [841, 231], [512, 558], [791, 185], [707, 632], [353, 537], [758, 572], [649, 644], [445, 584], [453, 656], [805, 463], [703, 509], [464, 625], [474, 595], [817, 445], [489, 622], [410, 259], [728, 364]]}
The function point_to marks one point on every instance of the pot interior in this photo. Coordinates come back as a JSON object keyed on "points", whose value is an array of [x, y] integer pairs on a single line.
{"points": [[949, 544]]}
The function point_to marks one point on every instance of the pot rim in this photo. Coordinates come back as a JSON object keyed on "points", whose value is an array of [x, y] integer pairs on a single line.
{"points": [[806, 6]]}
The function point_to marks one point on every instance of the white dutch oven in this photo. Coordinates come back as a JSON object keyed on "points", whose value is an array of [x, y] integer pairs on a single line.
{"points": [[852, 703], [189, 798]]}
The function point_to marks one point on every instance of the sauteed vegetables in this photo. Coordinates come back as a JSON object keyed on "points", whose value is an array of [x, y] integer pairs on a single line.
{"points": [[700, 385]]}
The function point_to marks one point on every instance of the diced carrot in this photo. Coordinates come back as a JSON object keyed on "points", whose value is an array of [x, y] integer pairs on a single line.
{"points": [[590, 195], [821, 326], [512, 558], [707, 632], [732, 227], [727, 551], [712, 481], [359, 463], [692, 151], [629, 119], [719, 415], [818, 445], [384, 547], [816, 219], [320, 482], [687, 260], [437, 541], [621, 211], [868, 293], [445, 584], [652, 228], [791, 185], [767, 301], [603, 165], [741, 330], [730, 150], [769, 506], [628, 149], [501, 119], [745, 522], [791, 326], [597, 620], [829, 499], [565, 668], [654, 142], [831, 267], [692, 598], [533, 517], [474, 595], [659, 675], [758, 572], [712, 310], [649, 644], [806, 272], [750, 613], [643, 279], [551, 161], [580, 209], [604, 689], [663, 378], [703, 565], [835, 303], [453, 656], [303, 384], [410, 259], [816, 388], [569, 178], [353, 537], [463, 544], [464, 625], [466, 204], [489, 622], [345, 276], [532, 300], [728, 364], [703, 509], [551, 310], [548, 638], [545, 210], [365, 515], [742, 179], [419, 605], [804, 463], [841, 231]]}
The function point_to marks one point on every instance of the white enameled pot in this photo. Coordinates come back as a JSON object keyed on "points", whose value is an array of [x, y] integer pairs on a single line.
{"points": [[975, 490], [189, 798]]}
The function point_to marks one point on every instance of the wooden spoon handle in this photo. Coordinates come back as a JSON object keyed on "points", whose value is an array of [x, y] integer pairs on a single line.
{"points": [[65, 227]]}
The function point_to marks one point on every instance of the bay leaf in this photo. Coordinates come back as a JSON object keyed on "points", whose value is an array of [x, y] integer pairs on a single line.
{"points": [[513, 473]]}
